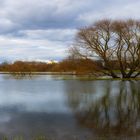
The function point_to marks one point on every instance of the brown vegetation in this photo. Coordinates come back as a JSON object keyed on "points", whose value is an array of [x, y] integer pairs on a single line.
{"points": [[22, 66], [76, 66]]}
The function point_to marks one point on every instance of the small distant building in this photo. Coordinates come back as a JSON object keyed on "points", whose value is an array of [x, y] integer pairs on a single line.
{"points": [[52, 62]]}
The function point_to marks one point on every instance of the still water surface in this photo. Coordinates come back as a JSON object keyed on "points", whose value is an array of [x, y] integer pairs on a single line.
{"points": [[69, 109]]}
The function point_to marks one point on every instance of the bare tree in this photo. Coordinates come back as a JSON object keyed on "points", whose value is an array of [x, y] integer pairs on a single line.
{"points": [[111, 41]]}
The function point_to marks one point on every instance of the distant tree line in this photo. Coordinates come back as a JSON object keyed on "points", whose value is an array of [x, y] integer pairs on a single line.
{"points": [[24, 66], [77, 66]]}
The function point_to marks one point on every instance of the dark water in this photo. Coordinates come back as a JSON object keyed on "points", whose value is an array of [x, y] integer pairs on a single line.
{"points": [[69, 109]]}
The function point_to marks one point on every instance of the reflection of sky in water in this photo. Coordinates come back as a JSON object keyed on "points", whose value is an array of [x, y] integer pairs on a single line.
{"points": [[63, 109], [33, 95]]}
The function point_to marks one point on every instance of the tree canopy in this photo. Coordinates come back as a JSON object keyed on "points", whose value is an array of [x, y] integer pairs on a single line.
{"points": [[111, 41]]}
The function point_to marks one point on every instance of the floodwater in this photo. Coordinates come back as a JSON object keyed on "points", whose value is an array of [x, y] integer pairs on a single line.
{"points": [[56, 109]]}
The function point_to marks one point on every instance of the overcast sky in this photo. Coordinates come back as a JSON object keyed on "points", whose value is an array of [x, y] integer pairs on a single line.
{"points": [[44, 29]]}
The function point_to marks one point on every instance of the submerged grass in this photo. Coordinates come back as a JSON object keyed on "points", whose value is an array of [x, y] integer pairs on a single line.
{"points": [[100, 78], [95, 138], [22, 138]]}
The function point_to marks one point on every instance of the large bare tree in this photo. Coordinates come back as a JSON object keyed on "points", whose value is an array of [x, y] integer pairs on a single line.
{"points": [[111, 41]]}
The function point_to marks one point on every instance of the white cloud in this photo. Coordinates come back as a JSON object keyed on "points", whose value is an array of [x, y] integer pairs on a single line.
{"points": [[30, 49]]}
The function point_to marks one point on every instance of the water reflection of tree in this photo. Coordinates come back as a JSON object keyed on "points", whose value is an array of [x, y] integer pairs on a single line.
{"points": [[115, 112]]}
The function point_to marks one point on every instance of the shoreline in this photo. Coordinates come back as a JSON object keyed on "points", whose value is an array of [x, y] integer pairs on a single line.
{"points": [[77, 76], [41, 73]]}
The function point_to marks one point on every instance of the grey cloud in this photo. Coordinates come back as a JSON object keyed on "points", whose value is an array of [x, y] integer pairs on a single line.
{"points": [[50, 34], [43, 29], [114, 10], [18, 15], [41, 14]]}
